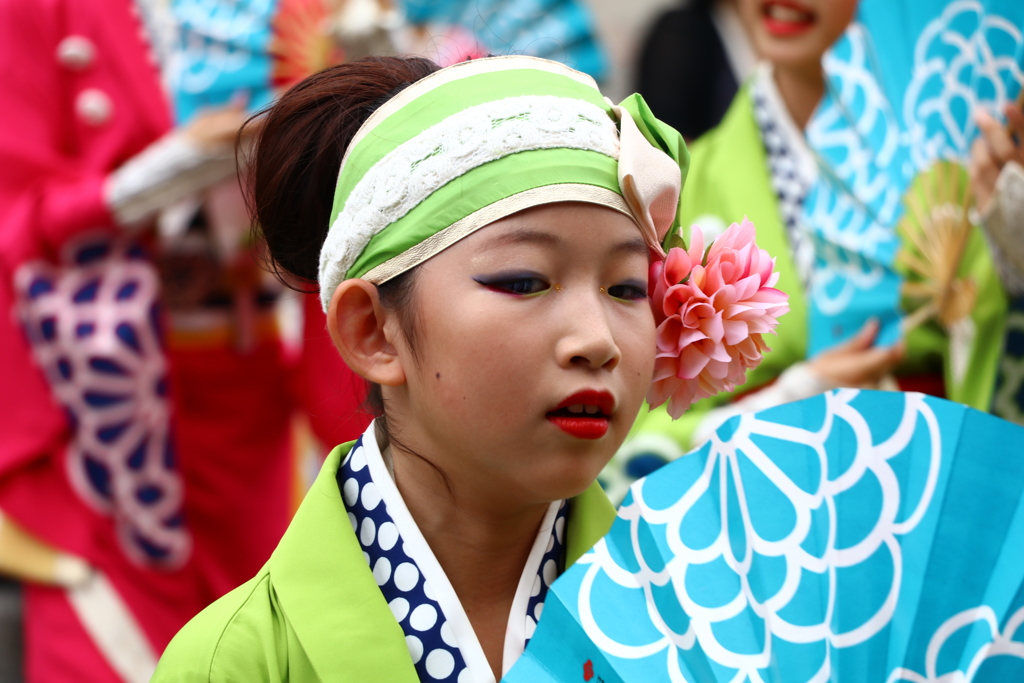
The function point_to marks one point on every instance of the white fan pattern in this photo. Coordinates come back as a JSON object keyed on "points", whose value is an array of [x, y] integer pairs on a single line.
{"points": [[851, 536], [711, 574], [993, 644]]}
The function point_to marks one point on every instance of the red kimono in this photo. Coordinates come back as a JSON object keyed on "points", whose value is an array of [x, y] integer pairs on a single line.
{"points": [[166, 466]]}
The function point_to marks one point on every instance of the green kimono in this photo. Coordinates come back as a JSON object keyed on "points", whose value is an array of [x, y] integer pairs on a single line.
{"points": [[314, 612], [729, 178]]}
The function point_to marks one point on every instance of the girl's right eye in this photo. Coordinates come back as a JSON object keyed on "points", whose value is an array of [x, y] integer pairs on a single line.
{"points": [[521, 284]]}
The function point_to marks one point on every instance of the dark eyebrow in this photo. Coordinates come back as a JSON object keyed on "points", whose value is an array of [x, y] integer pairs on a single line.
{"points": [[632, 247], [525, 236]]}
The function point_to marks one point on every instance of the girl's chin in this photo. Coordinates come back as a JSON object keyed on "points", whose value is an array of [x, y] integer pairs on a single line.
{"points": [[568, 481]]}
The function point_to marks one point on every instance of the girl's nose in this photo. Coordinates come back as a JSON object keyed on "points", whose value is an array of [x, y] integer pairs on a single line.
{"points": [[588, 340]]}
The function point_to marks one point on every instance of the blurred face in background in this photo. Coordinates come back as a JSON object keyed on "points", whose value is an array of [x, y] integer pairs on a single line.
{"points": [[794, 34]]}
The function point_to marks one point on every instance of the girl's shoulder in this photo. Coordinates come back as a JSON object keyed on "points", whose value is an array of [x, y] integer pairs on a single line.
{"points": [[243, 636], [246, 635], [315, 606]]}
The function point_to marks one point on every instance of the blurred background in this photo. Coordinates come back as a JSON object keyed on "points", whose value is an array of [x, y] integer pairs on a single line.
{"points": [[167, 400]]}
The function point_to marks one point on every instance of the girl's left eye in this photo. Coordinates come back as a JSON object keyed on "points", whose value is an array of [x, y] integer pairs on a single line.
{"points": [[628, 291], [515, 284]]}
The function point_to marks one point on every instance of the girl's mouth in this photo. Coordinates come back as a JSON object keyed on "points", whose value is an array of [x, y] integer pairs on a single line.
{"points": [[784, 19], [584, 415]]}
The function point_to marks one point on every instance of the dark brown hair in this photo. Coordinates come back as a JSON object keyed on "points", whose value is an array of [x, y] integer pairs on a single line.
{"points": [[293, 169], [294, 163]]}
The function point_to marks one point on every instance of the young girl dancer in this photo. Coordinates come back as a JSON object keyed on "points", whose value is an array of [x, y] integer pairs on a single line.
{"points": [[484, 265]]}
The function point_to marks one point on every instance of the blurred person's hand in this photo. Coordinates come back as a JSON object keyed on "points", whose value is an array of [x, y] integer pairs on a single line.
{"points": [[993, 149], [217, 128], [858, 362], [190, 159]]}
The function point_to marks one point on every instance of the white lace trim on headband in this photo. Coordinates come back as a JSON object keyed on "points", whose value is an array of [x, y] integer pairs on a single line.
{"points": [[475, 67], [475, 136]]}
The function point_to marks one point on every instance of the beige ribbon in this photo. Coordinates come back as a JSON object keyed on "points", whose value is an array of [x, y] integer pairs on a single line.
{"points": [[649, 179]]}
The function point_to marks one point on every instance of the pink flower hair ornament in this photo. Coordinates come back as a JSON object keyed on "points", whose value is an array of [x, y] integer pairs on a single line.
{"points": [[712, 308]]}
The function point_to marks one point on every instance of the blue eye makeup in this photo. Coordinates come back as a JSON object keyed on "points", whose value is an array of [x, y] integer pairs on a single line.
{"points": [[518, 283], [631, 290]]}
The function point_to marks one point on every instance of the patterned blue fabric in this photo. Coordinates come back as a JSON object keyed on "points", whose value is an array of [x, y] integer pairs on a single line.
{"points": [[561, 30], [432, 645], [94, 328], [853, 536], [223, 52], [903, 82]]}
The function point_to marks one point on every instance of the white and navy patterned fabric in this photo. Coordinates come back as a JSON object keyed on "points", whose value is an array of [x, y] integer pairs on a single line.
{"points": [[790, 185], [416, 605], [93, 324]]}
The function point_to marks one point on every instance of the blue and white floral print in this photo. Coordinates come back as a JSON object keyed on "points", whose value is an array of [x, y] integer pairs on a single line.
{"points": [[440, 639], [222, 52], [562, 30], [853, 536], [903, 83]]}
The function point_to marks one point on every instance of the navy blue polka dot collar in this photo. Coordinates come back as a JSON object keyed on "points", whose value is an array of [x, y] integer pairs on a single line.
{"points": [[438, 633]]}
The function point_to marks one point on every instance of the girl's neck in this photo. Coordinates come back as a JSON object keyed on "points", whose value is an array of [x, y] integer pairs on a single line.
{"points": [[482, 546], [801, 88]]}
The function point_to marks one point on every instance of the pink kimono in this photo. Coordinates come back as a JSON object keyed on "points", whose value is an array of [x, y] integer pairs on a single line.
{"points": [[174, 506]]}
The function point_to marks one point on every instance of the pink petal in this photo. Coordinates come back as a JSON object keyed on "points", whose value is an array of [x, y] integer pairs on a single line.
{"points": [[696, 249], [712, 308], [665, 368], [735, 331], [667, 334], [691, 361], [661, 391], [747, 287]]}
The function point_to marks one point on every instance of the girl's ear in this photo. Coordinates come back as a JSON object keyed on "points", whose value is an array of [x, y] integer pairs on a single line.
{"points": [[356, 321]]}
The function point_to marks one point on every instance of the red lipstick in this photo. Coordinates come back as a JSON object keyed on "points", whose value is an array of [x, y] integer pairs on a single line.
{"points": [[784, 18], [584, 414]]}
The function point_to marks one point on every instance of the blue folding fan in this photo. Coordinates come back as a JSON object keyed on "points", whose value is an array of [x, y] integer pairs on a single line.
{"points": [[903, 83], [230, 49], [853, 536], [561, 30]]}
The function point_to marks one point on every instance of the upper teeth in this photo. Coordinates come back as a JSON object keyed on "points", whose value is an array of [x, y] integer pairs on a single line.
{"points": [[580, 408], [783, 13]]}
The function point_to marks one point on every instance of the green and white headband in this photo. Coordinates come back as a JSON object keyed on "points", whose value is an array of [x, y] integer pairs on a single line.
{"points": [[478, 141]]}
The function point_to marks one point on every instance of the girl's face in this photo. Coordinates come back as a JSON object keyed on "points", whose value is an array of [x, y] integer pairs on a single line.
{"points": [[795, 33], [534, 349]]}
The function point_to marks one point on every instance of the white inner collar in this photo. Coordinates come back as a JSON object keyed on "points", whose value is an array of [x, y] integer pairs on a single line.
{"points": [[793, 137], [417, 548]]}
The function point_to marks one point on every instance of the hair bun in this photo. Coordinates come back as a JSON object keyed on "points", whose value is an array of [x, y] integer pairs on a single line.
{"points": [[294, 161]]}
